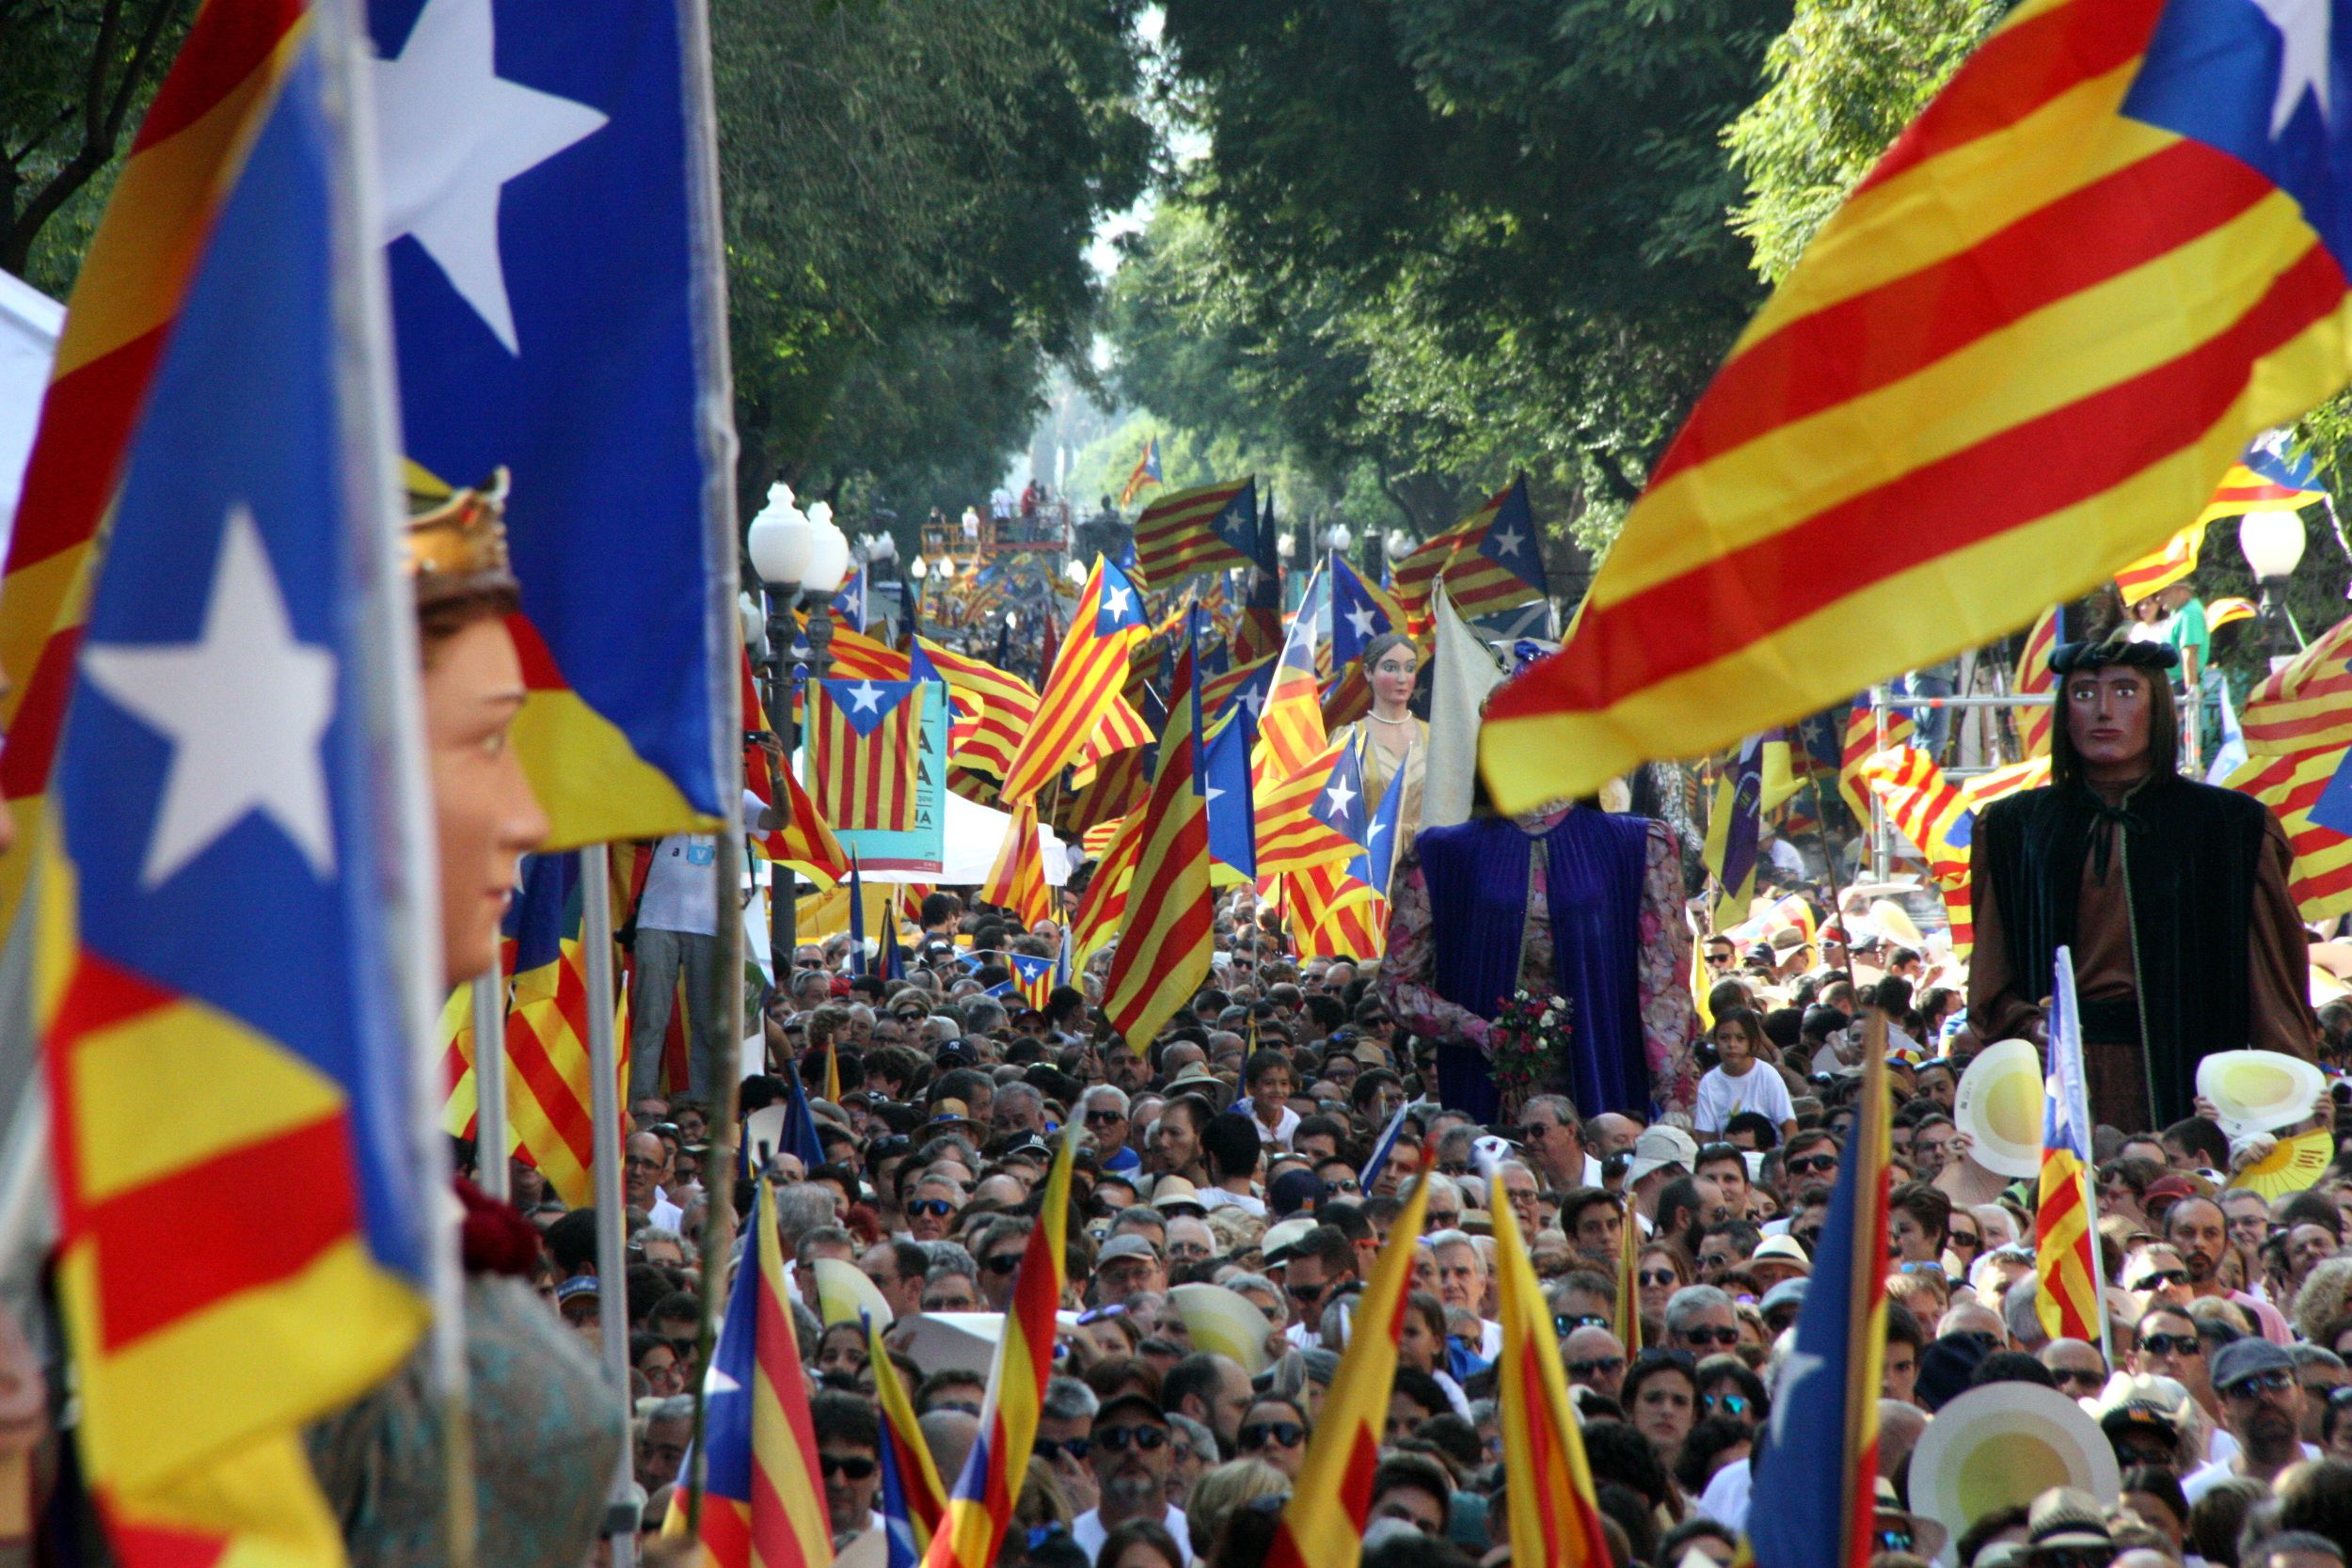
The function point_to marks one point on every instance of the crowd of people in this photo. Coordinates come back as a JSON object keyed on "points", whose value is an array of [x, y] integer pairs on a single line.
{"points": [[1236, 1151]]}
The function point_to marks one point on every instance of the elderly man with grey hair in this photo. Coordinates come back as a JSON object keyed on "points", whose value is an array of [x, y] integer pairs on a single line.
{"points": [[1065, 1420], [985, 1015], [1103, 1110], [1019, 1108], [1702, 1320]]}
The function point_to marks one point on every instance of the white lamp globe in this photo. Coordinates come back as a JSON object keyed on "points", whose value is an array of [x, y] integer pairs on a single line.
{"points": [[781, 539], [2273, 543], [828, 559]]}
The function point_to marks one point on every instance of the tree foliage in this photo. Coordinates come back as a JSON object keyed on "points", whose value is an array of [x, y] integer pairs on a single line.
{"points": [[910, 188], [74, 77], [1449, 237], [1845, 79]]}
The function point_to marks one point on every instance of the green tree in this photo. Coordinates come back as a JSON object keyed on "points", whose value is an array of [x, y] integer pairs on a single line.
{"points": [[76, 75]]}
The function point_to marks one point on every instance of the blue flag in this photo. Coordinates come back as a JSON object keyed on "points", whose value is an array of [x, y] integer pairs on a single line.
{"points": [[1233, 819], [850, 602], [554, 268], [1380, 837], [857, 918]]}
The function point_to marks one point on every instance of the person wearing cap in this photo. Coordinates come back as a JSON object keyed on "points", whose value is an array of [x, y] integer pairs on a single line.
{"points": [[1898, 1529], [2171, 894], [1660, 1155], [2262, 1407], [1125, 1265], [1777, 1259], [2066, 1529], [582, 1309]]}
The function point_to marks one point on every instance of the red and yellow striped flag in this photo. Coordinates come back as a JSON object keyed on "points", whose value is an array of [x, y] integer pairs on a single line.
{"points": [[1103, 910], [1555, 1518], [910, 1479], [182, 165], [1213, 528], [1630, 1282], [865, 742], [2033, 679], [1168, 935], [1089, 672], [2160, 569], [1017, 880], [2298, 724], [1290, 837], [1861, 743], [1323, 1524], [1006, 708], [2066, 1244], [1336, 915], [981, 1505], [549, 1089], [2019, 357]]}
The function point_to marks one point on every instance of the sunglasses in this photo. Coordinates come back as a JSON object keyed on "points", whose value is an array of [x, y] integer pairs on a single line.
{"points": [[1607, 1366], [1564, 1324], [1712, 1335], [939, 1208], [1652, 1356], [2158, 1277], [1812, 1165], [1256, 1434], [1002, 1262], [1651, 1278], [1075, 1446], [1103, 1118], [2275, 1381], [1894, 1540], [1120, 1439], [1343, 1185], [1731, 1404], [1966, 1238], [2172, 1344], [1306, 1294], [853, 1469]]}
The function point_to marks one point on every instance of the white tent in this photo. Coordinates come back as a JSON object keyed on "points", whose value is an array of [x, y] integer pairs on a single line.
{"points": [[30, 324]]}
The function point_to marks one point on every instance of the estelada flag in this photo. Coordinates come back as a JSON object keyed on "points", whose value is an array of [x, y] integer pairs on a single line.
{"points": [[1167, 937], [865, 748], [1214, 528], [550, 1092], [2297, 725], [228, 980], [1017, 880], [554, 256], [1088, 673], [2021, 356], [1147, 471]]}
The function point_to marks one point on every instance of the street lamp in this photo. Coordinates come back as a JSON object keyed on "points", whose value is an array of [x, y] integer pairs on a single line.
{"points": [[2273, 543], [1339, 538], [783, 543], [1401, 544], [918, 568]]}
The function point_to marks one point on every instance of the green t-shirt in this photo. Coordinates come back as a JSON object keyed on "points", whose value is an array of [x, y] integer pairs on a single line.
{"points": [[2189, 633]]}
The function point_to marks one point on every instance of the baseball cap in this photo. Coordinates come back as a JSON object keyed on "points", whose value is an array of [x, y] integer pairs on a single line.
{"points": [[1128, 1245], [1276, 1245], [1659, 1148], [2248, 1357], [576, 1287], [1130, 1399]]}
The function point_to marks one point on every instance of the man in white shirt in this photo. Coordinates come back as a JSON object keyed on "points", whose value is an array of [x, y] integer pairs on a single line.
{"points": [[1229, 1145], [677, 927], [644, 1163], [1131, 1449]]}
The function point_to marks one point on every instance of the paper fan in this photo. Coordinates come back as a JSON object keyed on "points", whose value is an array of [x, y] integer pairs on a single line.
{"points": [[2293, 1166]]}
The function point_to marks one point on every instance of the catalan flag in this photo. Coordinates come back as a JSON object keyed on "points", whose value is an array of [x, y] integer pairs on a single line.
{"points": [[1939, 819], [549, 1089], [2268, 476], [1821, 1469], [913, 1500], [1103, 910], [806, 841], [1241, 690], [2020, 357], [1259, 634], [1491, 560], [1166, 939], [2221, 613], [1233, 819], [851, 606], [1323, 1524], [1214, 528], [2153, 573], [1789, 912], [2066, 1245], [1361, 610], [982, 1504], [763, 1502], [1085, 680], [865, 740], [2296, 725], [1547, 1486], [1290, 727], [1337, 910], [1017, 880], [1147, 471], [141, 262], [554, 261], [1006, 705], [1863, 742], [1630, 1283], [2033, 679], [225, 980]]}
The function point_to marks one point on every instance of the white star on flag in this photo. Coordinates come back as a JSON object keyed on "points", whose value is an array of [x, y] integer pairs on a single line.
{"points": [[1210, 796], [1115, 602], [2304, 27], [1338, 797], [866, 697], [1361, 619], [243, 707], [1509, 541], [451, 131], [1252, 699]]}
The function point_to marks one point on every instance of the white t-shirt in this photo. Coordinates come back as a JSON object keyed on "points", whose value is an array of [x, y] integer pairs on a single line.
{"points": [[2198, 1481], [1089, 1532], [680, 892], [1725, 1499], [1217, 1198], [1285, 1125], [1723, 1097]]}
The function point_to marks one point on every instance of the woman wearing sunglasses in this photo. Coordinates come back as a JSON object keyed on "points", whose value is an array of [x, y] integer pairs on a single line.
{"points": [[1274, 1429], [1662, 1269]]}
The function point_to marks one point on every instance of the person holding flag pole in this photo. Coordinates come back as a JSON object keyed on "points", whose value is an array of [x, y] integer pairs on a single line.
{"points": [[1323, 1525], [1820, 1462]]}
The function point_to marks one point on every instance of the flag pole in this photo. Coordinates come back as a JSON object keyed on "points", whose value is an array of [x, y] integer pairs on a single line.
{"points": [[489, 1084], [368, 406], [604, 1111]]}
